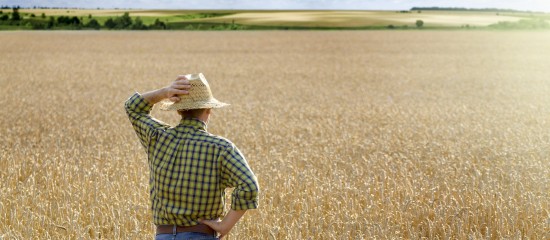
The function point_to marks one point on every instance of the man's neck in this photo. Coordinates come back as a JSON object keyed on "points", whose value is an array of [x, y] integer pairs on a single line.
{"points": [[203, 119]]}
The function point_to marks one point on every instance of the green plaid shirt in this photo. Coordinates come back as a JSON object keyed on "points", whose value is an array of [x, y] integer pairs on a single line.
{"points": [[190, 168]]}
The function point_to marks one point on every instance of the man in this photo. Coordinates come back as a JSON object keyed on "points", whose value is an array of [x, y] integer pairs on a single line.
{"points": [[189, 167]]}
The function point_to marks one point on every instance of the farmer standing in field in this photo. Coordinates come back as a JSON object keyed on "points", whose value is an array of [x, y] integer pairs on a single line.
{"points": [[189, 167]]}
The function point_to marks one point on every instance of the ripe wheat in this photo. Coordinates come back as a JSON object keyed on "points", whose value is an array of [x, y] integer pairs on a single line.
{"points": [[353, 135]]}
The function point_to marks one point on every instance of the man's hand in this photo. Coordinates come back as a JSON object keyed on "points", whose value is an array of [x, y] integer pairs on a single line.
{"points": [[178, 87], [223, 227]]}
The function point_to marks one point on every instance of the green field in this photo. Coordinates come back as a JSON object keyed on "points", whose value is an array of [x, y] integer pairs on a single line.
{"points": [[182, 19]]}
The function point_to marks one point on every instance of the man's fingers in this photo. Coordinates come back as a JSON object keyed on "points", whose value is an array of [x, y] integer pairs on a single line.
{"points": [[175, 99], [178, 87], [208, 222], [213, 224], [181, 77], [178, 92], [181, 84]]}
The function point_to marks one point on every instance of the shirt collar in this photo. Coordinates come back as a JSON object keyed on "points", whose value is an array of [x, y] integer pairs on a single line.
{"points": [[194, 123]]}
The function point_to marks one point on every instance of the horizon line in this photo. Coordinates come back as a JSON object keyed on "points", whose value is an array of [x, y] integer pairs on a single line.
{"points": [[288, 9]]}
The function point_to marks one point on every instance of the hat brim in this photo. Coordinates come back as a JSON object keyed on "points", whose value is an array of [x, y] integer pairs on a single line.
{"points": [[168, 105]]}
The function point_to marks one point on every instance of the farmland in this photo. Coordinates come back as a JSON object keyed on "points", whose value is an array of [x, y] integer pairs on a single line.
{"points": [[250, 19], [352, 134]]}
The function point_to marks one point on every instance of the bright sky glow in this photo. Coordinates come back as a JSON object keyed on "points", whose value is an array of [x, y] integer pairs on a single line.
{"points": [[529, 5]]}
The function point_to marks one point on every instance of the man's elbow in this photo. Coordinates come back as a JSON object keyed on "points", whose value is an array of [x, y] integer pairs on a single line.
{"points": [[246, 196], [252, 188], [255, 189], [127, 107]]}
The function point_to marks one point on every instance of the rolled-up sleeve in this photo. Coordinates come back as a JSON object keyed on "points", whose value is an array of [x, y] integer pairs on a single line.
{"points": [[145, 126], [237, 174]]}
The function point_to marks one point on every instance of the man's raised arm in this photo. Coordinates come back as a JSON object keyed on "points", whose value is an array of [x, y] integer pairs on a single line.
{"points": [[178, 87]]}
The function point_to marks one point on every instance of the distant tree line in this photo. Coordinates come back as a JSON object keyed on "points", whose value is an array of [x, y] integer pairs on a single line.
{"points": [[535, 23], [8, 7], [126, 22], [66, 22], [44, 7]]}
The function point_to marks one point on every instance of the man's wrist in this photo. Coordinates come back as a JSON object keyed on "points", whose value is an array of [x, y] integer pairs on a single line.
{"points": [[229, 221], [164, 92], [155, 96]]}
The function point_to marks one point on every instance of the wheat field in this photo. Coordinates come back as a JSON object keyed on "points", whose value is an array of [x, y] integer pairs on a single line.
{"points": [[362, 18], [352, 134]]}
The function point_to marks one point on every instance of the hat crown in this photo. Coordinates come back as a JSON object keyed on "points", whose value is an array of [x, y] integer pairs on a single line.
{"points": [[199, 91]]}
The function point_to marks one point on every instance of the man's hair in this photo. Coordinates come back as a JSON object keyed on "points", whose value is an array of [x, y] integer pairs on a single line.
{"points": [[194, 113]]}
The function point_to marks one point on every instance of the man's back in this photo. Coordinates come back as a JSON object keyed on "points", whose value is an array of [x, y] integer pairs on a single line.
{"points": [[191, 168]]}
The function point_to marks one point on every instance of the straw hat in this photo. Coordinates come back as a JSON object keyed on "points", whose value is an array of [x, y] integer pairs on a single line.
{"points": [[200, 96]]}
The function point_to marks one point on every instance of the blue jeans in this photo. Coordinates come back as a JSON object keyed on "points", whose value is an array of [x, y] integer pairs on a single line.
{"points": [[185, 236]]}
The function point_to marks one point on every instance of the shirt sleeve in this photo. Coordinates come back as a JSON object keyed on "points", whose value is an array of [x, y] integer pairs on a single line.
{"points": [[145, 126], [237, 174]]}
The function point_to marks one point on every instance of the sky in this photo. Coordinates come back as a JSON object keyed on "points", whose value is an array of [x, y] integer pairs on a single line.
{"points": [[529, 5]]}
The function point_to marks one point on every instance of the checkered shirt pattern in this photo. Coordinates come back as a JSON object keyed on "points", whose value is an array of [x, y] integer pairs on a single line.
{"points": [[190, 169]]}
